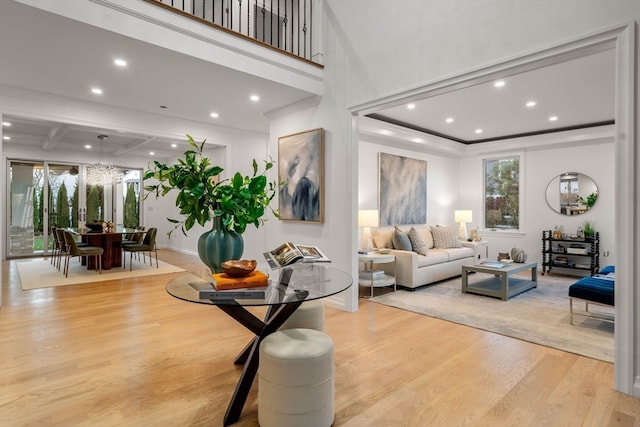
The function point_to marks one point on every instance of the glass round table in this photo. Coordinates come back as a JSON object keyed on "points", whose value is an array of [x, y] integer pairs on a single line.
{"points": [[288, 287]]}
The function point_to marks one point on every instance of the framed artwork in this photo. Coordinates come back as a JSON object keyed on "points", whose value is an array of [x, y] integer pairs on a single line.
{"points": [[402, 184], [301, 176]]}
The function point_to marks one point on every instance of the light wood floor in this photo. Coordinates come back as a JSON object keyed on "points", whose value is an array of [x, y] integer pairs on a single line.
{"points": [[126, 353]]}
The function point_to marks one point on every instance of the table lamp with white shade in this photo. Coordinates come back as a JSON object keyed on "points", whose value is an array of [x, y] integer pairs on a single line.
{"points": [[463, 217], [367, 219]]}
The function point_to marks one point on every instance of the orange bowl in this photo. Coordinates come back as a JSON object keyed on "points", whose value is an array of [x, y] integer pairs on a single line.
{"points": [[239, 268]]}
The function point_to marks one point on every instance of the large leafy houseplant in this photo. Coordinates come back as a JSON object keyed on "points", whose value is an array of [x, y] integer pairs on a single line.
{"points": [[201, 196]]}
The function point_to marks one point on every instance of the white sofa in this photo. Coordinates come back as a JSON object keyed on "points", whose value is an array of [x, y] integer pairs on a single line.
{"points": [[414, 270]]}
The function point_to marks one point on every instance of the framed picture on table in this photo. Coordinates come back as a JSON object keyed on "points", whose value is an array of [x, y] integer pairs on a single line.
{"points": [[301, 176]]}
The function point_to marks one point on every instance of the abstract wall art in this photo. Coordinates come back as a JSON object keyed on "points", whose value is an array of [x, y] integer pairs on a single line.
{"points": [[402, 183], [300, 173]]}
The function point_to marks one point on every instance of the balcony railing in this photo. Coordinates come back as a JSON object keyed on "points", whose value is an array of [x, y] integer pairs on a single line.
{"points": [[285, 25]]}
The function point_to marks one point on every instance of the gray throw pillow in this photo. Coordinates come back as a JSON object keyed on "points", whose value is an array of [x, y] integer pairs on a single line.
{"points": [[417, 242], [401, 240]]}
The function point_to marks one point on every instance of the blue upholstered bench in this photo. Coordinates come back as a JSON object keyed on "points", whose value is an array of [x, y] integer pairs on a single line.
{"points": [[593, 290]]}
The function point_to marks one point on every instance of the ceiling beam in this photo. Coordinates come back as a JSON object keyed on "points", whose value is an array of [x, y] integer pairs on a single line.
{"points": [[55, 134], [133, 146]]}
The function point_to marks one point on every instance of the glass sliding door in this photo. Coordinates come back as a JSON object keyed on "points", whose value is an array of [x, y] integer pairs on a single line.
{"points": [[44, 195], [26, 186], [41, 195]]}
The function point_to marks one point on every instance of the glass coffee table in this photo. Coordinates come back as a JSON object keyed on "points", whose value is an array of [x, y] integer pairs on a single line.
{"points": [[501, 284], [307, 282]]}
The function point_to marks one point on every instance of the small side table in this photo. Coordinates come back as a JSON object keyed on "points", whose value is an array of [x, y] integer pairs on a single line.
{"points": [[366, 276], [480, 249]]}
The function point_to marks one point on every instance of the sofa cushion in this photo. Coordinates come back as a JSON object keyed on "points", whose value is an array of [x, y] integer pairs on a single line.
{"points": [[382, 237], [418, 245], [401, 240], [433, 257], [458, 253], [445, 237], [425, 233]]}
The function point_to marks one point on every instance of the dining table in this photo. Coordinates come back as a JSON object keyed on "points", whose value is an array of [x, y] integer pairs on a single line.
{"points": [[110, 242]]}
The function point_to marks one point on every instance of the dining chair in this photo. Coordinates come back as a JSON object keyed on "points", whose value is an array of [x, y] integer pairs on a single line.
{"points": [[62, 246], [56, 247], [148, 244], [74, 250], [131, 239]]}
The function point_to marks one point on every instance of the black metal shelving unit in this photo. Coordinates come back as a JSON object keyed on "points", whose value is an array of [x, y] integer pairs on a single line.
{"points": [[570, 254]]}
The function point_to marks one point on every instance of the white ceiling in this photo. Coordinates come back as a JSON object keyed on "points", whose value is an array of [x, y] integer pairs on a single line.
{"points": [[48, 53]]}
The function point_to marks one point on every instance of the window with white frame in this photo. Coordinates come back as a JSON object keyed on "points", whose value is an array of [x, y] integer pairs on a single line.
{"points": [[502, 193]]}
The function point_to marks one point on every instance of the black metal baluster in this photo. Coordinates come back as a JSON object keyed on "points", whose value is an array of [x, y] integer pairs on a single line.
{"points": [[285, 22], [271, 23], [304, 31], [279, 41], [298, 26], [264, 11]]}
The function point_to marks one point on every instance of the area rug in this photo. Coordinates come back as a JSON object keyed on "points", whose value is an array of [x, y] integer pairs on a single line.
{"points": [[540, 315], [39, 273]]}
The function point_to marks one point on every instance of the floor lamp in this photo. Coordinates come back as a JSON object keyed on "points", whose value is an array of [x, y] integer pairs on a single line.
{"points": [[367, 219], [463, 217]]}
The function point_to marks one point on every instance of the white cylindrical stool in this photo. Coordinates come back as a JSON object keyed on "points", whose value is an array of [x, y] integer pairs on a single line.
{"points": [[310, 315], [296, 379]]}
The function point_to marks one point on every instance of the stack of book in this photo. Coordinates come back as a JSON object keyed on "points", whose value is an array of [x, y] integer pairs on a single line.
{"points": [[372, 274], [223, 286]]}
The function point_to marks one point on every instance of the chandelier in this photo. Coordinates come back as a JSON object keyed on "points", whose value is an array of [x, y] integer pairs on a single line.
{"points": [[103, 173]]}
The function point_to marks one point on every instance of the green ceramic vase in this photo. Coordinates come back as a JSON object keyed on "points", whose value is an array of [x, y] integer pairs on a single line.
{"points": [[219, 245]]}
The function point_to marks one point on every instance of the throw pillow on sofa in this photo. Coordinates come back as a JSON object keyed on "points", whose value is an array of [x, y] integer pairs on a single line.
{"points": [[382, 237], [445, 237], [401, 240], [417, 243]]}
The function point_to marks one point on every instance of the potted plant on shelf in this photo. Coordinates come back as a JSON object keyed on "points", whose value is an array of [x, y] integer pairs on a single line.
{"points": [[588, 230], [230, 204]]}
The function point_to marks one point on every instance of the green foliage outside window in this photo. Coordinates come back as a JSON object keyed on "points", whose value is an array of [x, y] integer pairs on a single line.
{"points": [[62, 207], [74, 207], [131, 218], [94, 204], [502, 193]]}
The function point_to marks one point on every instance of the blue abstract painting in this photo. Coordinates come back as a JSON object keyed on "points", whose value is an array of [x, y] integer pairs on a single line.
{"points": [[300, 173], [403, 190]]}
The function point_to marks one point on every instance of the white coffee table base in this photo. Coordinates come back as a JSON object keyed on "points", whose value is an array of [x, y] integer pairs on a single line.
{"points": [[501, 284]]}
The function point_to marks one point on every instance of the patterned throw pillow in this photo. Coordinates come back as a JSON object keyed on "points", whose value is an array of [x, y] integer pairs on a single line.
{"points": [[418, 244], [401, 240], [445, 237]]}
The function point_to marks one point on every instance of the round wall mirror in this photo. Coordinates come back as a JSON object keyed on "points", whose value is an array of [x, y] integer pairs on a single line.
{"points": [[572, 193]]}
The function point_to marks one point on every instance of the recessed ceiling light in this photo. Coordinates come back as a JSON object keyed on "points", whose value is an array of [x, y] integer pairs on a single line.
{"points": [[96, 90], [6, 124], [411, 106], [478, 131], [174, 145], [449, 120], [214, 115], [120, 62], [151, 153], [6, 138], [553, 118], [88, 147], [531, 104], [499, 83], [385, 132], [255, 98], [418, 140]]}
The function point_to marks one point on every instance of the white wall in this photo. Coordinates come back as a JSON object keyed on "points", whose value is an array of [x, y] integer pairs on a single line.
{"points": [[541, 165]]}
